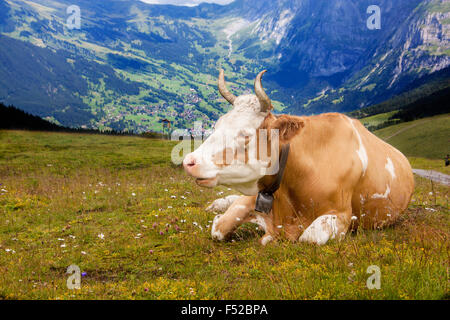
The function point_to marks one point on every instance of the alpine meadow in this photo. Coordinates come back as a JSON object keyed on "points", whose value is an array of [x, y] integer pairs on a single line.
{"points": [[97, 96]]}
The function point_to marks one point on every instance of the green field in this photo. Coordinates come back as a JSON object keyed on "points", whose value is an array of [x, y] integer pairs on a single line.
{"points": [[426, 138], [377, 119], [136, 226]]}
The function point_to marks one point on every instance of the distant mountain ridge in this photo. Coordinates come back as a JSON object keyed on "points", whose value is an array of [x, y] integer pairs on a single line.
{"points": [[133, 64]]}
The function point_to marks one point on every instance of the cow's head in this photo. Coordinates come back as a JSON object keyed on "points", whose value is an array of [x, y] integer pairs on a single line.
{"points": [[224, 158], [238, 153]]}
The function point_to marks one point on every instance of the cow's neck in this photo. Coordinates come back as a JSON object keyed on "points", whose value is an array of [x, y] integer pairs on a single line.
{"points": [[284, 192], [248, 188], [287, 209]]}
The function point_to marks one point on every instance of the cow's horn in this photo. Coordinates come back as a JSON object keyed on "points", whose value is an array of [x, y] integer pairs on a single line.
{"points": [[264, 100], [223, 88]]}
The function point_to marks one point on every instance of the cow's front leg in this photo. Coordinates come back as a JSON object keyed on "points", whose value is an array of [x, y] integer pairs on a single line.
{"points": [[328, 226], [222, 204], [238, 213]]}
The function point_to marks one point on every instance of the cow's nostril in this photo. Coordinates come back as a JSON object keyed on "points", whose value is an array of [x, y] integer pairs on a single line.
{"points": [[191, 163]]}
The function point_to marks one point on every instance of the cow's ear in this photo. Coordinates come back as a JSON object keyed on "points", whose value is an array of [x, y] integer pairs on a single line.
{"points": [[288, 127]]}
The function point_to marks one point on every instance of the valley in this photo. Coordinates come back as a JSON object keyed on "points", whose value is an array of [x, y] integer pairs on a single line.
{"points": [[132, 65]]}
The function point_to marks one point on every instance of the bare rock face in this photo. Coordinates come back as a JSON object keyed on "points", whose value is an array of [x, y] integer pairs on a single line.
{"points": [[326, 45], [324, 38], [426, 45]]}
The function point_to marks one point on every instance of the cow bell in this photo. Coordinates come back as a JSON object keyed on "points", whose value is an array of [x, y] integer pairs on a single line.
{"points": [[264, 202]]}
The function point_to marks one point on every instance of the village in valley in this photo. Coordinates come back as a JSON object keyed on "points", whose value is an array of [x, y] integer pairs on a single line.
{"points": [[158, 118]]}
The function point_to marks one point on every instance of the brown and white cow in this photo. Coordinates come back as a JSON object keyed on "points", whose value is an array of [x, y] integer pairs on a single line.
{"points": [[338, 175]]}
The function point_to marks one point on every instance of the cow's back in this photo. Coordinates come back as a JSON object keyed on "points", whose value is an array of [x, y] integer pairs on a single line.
{"points": [[386, 185]]}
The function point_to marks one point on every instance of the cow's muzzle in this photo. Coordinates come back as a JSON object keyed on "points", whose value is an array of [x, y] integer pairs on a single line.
{"points": [[192, 167], [204, 182]]}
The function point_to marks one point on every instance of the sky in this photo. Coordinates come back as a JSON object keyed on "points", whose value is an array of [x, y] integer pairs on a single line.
{"points": [[189, 3]]}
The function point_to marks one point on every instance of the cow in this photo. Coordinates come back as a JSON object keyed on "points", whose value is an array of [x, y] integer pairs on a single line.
{"points": [[338, 175]]}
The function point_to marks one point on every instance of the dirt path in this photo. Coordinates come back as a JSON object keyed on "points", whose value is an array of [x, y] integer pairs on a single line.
{"points": [[434, 176], [404, 129]]}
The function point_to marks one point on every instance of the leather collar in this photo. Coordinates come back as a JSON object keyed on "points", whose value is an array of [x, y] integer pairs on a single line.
{"points": [[264, 201]]}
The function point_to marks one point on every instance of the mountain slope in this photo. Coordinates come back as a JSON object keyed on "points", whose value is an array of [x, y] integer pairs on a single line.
{"points": [[347, 66], [131, 64], [54, 81], [421, 88], [427, 137]]}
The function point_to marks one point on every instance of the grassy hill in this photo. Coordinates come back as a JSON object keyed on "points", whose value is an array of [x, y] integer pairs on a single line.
{"points": [[136, 226], [427, 137], [375, 120]]}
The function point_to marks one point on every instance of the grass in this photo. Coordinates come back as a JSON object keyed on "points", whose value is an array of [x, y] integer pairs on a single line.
{"points": [[429, 164], [60, 192], [425, 138], [377, 119]]}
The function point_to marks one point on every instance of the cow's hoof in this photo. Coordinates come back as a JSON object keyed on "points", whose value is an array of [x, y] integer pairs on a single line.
{"points": [[215, 233], [266, 239]]}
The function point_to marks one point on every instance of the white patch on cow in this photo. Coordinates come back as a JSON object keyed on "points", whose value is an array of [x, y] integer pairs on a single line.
{"points": [[232, 198], [222, 204], [354, 218], [362, 154], [390, 167], [266, 239], [218, 205], [260, 222], [362, 199], [321, 230], [240, 206], [382, 196], [216, 234]]}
